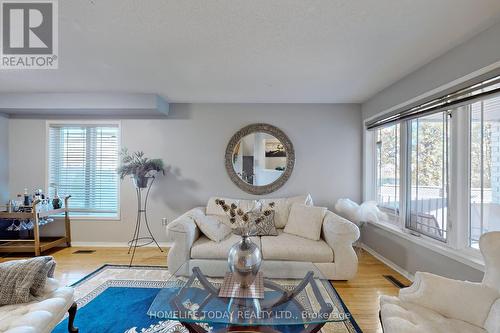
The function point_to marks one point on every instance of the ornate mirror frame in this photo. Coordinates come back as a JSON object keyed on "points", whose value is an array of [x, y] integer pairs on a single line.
{"points": [[278, 134]]}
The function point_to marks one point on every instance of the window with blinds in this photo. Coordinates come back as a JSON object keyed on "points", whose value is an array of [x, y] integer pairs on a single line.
{"points": [[82, 163]]}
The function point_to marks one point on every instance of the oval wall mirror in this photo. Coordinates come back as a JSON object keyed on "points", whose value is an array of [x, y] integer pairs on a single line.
{"points": [[259, 158]]}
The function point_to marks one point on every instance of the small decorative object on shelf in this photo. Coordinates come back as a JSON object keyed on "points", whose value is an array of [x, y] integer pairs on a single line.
{"points": [[10, 206], [244, 259], [27, 200], [143, 171], [56, 201]]}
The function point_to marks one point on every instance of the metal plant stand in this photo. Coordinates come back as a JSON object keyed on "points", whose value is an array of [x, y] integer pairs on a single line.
{"points": [[137, 240]]}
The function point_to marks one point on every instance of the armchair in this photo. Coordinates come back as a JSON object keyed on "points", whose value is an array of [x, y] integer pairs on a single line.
{"points": [[437, 304]]}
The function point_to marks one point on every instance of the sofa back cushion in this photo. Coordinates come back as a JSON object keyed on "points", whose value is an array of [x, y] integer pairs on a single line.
{"points": [[281, 206], [305, 221], [245, 205]]}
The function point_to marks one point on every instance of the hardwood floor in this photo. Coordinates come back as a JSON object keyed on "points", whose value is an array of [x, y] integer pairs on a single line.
{"points": [[360, 294]]}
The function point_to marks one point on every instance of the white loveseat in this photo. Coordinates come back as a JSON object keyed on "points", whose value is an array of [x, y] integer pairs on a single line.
{"points": [[333, 254], [40, 316], [437, 304]]}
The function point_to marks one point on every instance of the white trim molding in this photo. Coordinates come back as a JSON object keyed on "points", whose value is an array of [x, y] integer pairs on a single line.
{"points": [[387, 262], [163, 245]]}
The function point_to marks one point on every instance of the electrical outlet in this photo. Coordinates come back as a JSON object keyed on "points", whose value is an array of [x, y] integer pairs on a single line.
{"points": [[164, 222]]}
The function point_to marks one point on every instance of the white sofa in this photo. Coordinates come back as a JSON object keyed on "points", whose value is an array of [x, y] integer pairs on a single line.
{"points": [[40, 316], [333, 254], [437, 304]]}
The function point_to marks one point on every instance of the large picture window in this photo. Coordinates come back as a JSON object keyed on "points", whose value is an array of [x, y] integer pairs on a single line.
{"points": [[484, 165], [436, 166], [387, 161], [82, 163]]}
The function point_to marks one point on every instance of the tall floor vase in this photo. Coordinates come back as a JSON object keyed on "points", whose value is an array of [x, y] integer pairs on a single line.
{"points": [[142, 184]]}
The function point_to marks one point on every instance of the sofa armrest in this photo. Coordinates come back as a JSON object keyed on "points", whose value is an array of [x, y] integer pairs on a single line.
{"points": [[182, 232], [339, 233], [447, 297]]}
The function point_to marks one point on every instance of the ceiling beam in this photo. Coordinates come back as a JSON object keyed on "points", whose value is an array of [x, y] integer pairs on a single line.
{"points": [[21, 105]]}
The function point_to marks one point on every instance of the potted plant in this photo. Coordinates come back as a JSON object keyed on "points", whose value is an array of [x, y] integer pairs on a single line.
{"points": [[139, 167]]}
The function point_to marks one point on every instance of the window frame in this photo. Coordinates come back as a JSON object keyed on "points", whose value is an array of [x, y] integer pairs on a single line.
{"points": [[393, 213], [447, 115], [77, 217], [467, 237]]}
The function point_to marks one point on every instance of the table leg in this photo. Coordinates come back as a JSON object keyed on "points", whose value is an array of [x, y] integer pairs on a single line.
{"points": [[72, 314]]}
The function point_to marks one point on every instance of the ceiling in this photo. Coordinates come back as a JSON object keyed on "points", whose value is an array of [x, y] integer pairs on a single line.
{"points": [[292, 51]]}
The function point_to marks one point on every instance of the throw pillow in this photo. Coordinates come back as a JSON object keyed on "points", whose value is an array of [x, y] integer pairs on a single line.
{"points": [[305, 221], [282, 207], [211, 227], [21, 281], [266, 226]]}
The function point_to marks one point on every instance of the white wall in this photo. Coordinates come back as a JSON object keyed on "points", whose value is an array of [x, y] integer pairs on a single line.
{"points": [[479, 52], [192, 141], [4, 160]]}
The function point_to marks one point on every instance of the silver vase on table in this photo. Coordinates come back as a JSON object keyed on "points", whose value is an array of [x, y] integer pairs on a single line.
{"points": [[244, 261]]}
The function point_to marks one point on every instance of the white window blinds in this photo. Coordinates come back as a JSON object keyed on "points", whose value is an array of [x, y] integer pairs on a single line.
{"points": [[82, 163]]}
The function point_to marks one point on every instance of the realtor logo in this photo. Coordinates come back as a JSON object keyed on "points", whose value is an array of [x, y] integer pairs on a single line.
{"points": [[29, 36]]}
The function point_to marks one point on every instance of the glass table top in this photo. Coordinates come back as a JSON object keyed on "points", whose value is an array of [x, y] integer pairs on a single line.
{"points": [[191, 295]]}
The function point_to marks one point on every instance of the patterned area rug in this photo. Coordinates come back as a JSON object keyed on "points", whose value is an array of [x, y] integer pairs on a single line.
{"points": [[116, 299]]}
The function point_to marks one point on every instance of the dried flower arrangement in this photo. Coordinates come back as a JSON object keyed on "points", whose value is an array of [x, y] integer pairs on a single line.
{"points": [[244, 221]]}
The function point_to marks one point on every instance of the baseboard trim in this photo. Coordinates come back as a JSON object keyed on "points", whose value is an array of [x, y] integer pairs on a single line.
{"points": [[115, 244], [387, 262]]}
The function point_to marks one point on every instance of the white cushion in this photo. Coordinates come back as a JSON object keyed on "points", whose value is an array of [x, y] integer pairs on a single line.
{"points": [[290, 247], [204, 248], [282, 207], [210, 226], [38, 316], [305, 221], [399, 317], [447, 296]]}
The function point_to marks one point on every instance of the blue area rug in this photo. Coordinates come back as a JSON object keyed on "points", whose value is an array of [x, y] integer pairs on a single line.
{"points": [[116, 299]]}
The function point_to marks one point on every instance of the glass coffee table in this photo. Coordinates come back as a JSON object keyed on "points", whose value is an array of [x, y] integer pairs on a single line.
{"points": [[296, 298]]}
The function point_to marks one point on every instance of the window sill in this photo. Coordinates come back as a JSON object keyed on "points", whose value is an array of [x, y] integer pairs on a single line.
{"points": [[470, 257], [92, 219]]}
